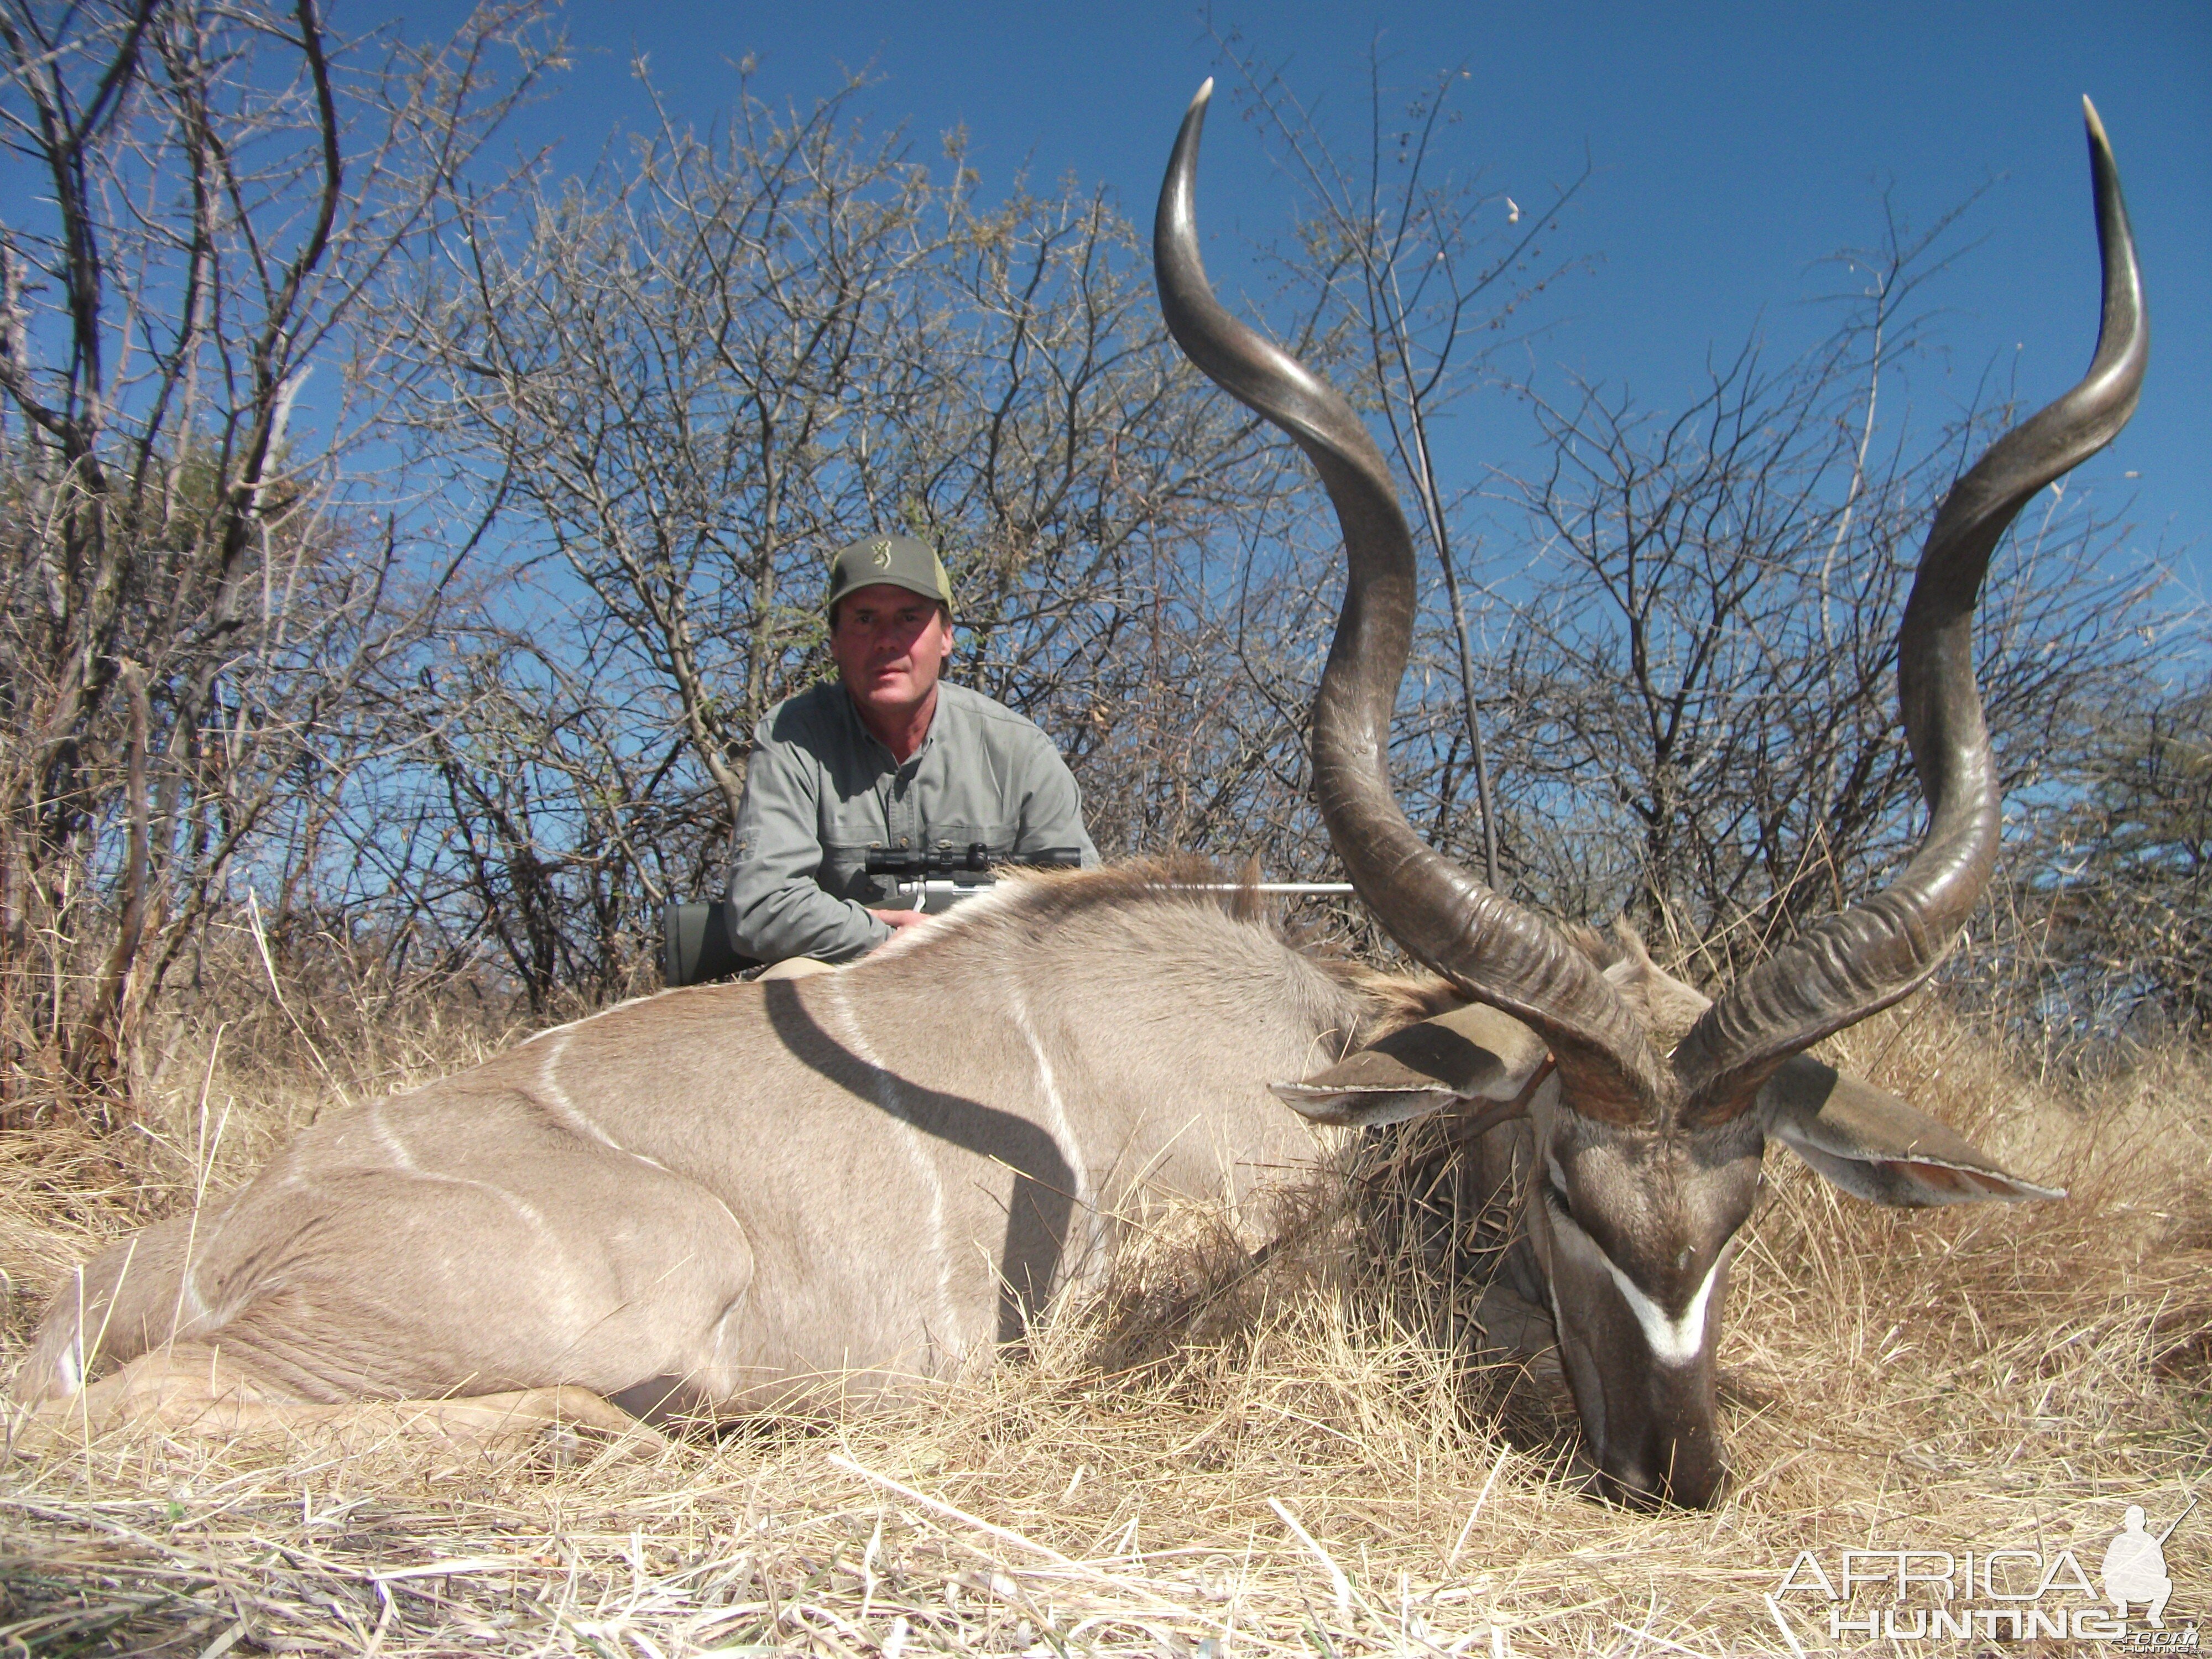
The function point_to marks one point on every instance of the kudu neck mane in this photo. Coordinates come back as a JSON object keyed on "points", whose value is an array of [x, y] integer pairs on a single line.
{"points": [[1181, 879], [1162, 898]]}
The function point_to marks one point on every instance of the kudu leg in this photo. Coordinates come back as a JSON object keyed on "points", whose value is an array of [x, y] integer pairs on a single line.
{"points": [[184, 1389], [556, 1261]]}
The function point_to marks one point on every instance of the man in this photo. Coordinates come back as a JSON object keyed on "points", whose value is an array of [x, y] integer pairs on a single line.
{"points": [[2135, 1568], [889, 756]]}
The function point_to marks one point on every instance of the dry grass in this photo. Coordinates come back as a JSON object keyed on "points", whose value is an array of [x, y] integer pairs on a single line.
{"points": [[1206, 1461]]}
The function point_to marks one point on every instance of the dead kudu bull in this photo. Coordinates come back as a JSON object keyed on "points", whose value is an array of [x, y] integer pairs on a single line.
{"points": [[733, 1198]]}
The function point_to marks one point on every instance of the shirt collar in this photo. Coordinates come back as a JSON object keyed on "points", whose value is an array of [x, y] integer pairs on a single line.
{"points": [[877, 746]]}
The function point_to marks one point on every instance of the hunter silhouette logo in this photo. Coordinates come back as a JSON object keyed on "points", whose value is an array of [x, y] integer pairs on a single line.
{"points": [[881, 553], [1932, 1595], [2134, 1567]]}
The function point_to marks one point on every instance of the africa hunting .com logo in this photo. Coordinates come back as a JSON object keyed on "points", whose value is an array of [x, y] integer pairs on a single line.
{"points": [[2015, 1595]]}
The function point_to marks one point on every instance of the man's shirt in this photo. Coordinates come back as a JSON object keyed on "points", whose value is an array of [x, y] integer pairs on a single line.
{"points": [[821, 791]]}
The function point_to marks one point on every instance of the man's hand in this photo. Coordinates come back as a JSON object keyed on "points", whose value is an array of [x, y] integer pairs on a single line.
{"points": [[897, 919]]}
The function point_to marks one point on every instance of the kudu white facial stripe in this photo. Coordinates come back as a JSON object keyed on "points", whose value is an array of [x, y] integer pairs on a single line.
{"points": [[1672, 1341]]}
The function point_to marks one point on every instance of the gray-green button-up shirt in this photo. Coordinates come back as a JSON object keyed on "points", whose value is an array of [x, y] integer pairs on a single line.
{"points": [[820, 791]]}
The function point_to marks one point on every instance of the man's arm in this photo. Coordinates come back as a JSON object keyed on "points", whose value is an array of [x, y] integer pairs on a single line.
{"points": [[776, 909], [1052, 806]]}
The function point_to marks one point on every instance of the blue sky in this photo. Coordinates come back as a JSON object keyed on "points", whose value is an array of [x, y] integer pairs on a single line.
{"points": [[1734, 146]]}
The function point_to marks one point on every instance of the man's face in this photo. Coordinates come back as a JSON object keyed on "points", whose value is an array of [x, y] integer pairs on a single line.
{"points": [[890, 645]]}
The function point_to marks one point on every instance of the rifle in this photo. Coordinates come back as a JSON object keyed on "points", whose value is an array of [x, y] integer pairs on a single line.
{"points": [[933, 881], [2177, 1521], [695, 935]]}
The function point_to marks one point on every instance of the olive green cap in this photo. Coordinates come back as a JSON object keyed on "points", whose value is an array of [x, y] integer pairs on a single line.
{"points": [[899, 560]]}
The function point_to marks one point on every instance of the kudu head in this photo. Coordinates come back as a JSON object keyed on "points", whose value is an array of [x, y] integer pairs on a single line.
{"points": [[1648, 1136]]}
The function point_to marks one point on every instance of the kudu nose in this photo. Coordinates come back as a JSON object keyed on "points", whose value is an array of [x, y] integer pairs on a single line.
{"points": [[1664, 1472]]}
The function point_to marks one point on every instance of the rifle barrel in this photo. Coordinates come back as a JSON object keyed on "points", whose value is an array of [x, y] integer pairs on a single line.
{"points": [[1317, 887], [2176, 1521]]}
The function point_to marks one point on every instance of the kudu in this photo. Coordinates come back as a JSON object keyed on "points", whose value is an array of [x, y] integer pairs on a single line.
{"points": [[1646, 1142], [735, 1198]]}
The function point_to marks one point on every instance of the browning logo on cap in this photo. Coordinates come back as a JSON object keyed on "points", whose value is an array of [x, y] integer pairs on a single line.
{"points": [[880, 554]]}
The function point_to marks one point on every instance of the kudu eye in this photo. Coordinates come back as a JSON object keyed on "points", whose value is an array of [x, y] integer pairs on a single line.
{"points": [[1555, 1187]]}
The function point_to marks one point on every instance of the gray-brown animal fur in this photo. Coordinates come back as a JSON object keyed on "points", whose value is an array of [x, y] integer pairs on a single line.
{"points": [[731, 1195]]}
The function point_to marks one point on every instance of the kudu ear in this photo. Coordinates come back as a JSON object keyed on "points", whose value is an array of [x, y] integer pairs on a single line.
{"points": [[1471, 1054], [1875, 1146]]}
